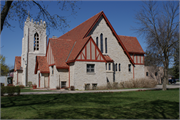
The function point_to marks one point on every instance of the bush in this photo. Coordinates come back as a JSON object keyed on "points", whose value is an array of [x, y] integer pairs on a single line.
{"points": [[109, 86], [2, 84], [57, 87], [10, 90], [3, 90], [139, 83], [66, 88], [21, 86], [115, 85], [72, 88], [29, 84], [10, 85], [18, 90]]}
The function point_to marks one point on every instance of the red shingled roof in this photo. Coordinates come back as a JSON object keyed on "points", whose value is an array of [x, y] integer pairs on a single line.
{"points": [[108, 59], [78, 46], [68, 46], [60, 50], [80, 31], [17, 63], [41, 64], [132, 45]]}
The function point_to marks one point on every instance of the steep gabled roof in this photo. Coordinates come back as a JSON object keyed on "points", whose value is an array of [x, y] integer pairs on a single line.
{"points": [[78, 46], [41, 64], [132, 45], [17, 65], [85, 28], [61, 49], [81, 30]]}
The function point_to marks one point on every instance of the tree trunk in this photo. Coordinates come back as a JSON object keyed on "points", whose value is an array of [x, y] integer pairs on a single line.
{"points": [[165, 81], [4, 12]]}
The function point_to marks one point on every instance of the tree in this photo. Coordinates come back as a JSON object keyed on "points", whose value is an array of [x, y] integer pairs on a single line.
{"points": [[176, 63], [4, 67], [18, 10], [160, 25]]}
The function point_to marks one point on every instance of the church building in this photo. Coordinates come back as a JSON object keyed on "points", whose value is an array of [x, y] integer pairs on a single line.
{"points": [[90, 55]]}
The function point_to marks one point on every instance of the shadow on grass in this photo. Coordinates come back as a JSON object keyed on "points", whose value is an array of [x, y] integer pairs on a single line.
{"points": [[159, 109], [90, 106]]}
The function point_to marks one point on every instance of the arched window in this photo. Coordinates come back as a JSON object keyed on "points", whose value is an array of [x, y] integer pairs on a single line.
{"points": [[109, 66], [101, 37], [119, 67], [97, 41], [36, 41], [116, 67], [105, 45]]}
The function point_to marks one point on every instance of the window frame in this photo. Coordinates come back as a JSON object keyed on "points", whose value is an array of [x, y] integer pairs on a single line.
{"points": [[97, 42], [119, 67], [90, 68], [101, 41], [36, 42], [105, 45], [129, 67]]}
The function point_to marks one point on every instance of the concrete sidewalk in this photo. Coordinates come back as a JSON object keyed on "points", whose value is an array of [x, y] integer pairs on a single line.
{"points": [[158, 87]]}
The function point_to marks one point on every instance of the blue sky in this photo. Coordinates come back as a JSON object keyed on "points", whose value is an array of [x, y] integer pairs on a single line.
{"points": [[121, 15]]}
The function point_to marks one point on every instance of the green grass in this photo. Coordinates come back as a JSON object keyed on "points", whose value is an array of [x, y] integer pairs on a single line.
{"points": [[118, 105], [29, 90]]}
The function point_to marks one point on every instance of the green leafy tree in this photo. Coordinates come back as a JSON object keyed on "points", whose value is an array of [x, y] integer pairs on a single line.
{"points": [[4, 67]]}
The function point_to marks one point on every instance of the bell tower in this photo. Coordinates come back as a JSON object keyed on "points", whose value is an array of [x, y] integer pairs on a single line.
{"points": [[34, 44]]}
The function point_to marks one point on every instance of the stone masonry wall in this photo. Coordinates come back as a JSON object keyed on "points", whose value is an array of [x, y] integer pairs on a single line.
{"points": [[81, 77], [114, 50]]}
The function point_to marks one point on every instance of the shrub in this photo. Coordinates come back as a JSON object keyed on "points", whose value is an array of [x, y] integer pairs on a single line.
{"points": [[21, 86], [3, 90], [10, 85], [57, 87], [29, 84], [109, 86], [10, 90], [72, 88], [115, 85], [18, 90], [2, 84], [66, 88]]}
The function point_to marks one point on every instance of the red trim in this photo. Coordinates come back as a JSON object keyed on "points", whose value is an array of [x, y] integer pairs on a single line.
{"points": [[97, 57], [95, 54], [133, 57], [90, 50], [139, 63], [89, 40], [51, 64], [69, 75], [44, 71], [113, 31], [62, 67], [92, 60]]}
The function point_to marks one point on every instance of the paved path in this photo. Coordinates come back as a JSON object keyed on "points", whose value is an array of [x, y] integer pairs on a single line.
{"points": [[158, 87]]}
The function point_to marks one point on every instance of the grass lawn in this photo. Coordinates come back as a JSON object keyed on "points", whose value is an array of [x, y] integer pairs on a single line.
{"points": [[118, 105], [29, 90]]}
